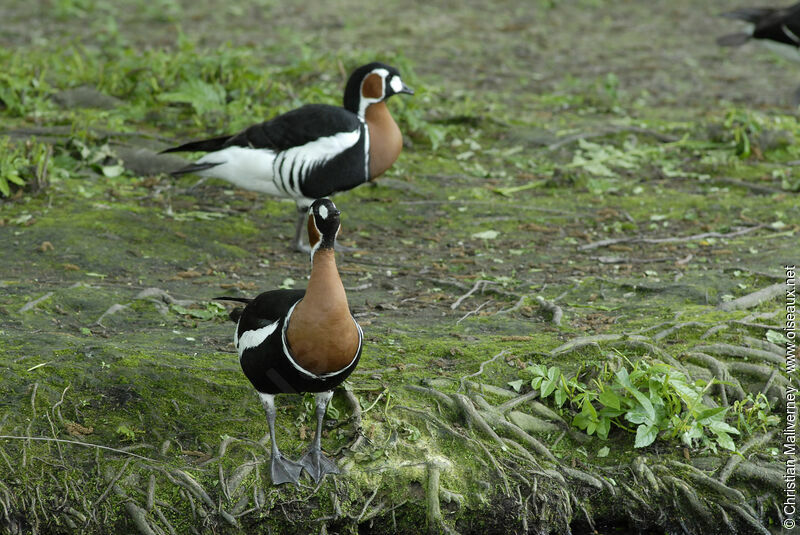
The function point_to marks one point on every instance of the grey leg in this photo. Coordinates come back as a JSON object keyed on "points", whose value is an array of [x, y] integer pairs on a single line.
{"points": [[315, 463], [281, 470], [302, 217]]}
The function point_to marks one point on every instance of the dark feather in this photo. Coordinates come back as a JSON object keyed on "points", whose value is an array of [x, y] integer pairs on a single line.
{"points": [[291, 129], [296, 127], [782, 26], [205, 145], [749, 14], [194, 168], [244, 300]]}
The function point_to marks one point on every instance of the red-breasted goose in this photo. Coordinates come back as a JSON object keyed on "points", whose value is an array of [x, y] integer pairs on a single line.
{"points": [[301, 341], [313, 151]]}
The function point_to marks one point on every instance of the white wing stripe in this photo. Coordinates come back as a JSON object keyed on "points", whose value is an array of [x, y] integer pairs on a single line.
{"points": [[253, 338], [314, 153]]}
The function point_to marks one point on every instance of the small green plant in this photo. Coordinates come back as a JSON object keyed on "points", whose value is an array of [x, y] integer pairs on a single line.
{"points": [[742, 125], [753, 413], [21, 164], [657, 399], [125, 432]]}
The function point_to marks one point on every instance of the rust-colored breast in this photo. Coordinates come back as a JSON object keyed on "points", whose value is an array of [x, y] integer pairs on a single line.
{"points": [[322, 334], [385, 139]]}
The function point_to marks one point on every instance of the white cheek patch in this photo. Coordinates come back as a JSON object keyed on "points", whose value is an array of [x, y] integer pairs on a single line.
{"points": [[396, 84], [323, 211]]}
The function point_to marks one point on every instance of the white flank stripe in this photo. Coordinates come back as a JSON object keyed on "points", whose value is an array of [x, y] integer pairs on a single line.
{"points": [[790, 34], [307, 157], [244, 167], [250, 339]]}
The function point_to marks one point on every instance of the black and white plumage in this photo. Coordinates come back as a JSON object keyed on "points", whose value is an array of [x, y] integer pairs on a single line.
{"points": [[294, 341], [307, 153], [264, 354], [776, 28]]}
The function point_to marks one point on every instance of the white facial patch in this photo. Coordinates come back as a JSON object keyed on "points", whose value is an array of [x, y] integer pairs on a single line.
{"points": [[396, 84], [323, 212]]}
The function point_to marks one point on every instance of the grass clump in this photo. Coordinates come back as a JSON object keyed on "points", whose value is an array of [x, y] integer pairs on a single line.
{"points": [[658, 399]]}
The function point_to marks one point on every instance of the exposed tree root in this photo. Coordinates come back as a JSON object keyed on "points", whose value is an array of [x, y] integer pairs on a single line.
{"points": [[555, 311], [734, 460], [513, 450], [755, 298], [738, 351]]}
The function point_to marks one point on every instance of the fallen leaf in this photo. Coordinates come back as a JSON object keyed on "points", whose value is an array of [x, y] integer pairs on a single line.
{"points": [[77, 430], [486, 235]]}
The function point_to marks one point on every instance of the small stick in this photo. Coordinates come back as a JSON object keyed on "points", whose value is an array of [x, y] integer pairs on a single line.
{"points": [[513, 308], [474, 289], [30, 304], [566, 140], [471, 312], [640, 239], [112, 483], [366, 504], [483, 364], [86, 444], [33, 399]]}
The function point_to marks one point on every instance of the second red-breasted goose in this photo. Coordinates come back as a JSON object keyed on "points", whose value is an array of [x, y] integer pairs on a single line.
{"points": [[315, 150], [292, 341]]}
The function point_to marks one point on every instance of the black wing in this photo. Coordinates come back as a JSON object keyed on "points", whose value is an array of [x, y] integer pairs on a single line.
{"points": [[296, 128], [782, 26], [291, 129], [750, 14], [267, 308]]}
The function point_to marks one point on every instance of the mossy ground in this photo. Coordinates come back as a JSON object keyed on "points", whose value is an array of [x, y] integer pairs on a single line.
{"points": [[662, 114]]}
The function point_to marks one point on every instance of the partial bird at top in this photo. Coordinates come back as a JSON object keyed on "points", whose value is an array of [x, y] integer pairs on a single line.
{"points": [[313, 151], [777, 28]]}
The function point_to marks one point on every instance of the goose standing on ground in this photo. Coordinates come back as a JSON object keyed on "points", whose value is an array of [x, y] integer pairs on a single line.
{"points": [[293, 341], [313, 151]]}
